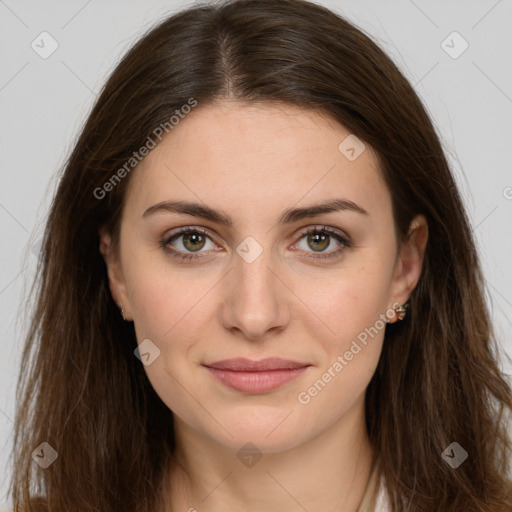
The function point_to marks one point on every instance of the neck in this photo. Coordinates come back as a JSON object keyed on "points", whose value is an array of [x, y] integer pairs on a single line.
{"points": [[328, 472]]}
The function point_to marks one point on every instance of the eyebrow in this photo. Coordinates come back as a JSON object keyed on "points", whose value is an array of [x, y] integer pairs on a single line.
{"points": [[287, 217]]}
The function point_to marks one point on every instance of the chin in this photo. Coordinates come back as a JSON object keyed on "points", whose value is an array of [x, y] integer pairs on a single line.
{"points": [[269, 432]]}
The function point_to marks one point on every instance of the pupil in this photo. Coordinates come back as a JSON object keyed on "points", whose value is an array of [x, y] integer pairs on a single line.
{"points": [[193, 238], [319, 237]]}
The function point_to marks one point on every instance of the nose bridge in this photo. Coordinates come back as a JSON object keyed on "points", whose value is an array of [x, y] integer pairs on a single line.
{"points": [[256, 300], [252, 274]]}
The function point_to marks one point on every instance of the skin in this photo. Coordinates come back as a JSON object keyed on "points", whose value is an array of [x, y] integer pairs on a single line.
{"points": [[253, 162]]}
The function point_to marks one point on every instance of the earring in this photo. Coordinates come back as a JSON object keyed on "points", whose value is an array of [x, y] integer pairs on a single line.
{"points": [[122, 314], [401, 311]]}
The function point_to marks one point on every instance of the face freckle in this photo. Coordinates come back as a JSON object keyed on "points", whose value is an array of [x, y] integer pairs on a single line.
{"points": [[254, 288]]}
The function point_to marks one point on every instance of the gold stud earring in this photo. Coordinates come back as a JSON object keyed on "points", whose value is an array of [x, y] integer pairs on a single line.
{"points": [[401, 311]]}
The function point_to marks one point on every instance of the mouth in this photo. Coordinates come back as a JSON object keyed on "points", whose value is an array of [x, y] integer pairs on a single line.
{"points": [[256, 376]]}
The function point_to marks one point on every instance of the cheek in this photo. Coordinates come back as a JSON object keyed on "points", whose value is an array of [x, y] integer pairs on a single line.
{"points": [[162, 295], [168, 311], [350, 300], [171, 307], [352, 307], [350, 350]]}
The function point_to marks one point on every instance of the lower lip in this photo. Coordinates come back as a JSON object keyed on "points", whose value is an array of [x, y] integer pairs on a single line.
{"points": [[256, 382]]}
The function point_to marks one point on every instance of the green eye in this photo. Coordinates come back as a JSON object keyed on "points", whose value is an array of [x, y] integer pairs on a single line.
{"points": [[319, 239], [193, 240]]}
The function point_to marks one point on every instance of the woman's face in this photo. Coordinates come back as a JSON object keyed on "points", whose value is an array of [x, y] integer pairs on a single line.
{"points": [[250, 284]]}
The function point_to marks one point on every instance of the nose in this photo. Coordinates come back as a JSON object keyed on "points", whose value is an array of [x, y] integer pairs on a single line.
{"points": [[255, 303]]}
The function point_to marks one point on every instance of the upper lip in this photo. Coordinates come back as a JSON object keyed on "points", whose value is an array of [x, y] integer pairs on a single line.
{"points": [[242, 364]]}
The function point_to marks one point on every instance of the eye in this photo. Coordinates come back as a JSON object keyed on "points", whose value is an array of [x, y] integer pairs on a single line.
{"points": [[320, 239], [188, 242], [192, 241]]}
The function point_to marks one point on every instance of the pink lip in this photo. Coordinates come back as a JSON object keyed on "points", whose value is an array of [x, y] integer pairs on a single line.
{"points": [[256, 376]]}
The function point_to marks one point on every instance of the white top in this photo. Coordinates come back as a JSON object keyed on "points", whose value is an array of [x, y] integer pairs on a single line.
{"points": [[375, 497], [382, 504]]}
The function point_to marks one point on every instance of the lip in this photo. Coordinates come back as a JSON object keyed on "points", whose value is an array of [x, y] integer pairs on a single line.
{"points": [[241, 364], [256, 376]]}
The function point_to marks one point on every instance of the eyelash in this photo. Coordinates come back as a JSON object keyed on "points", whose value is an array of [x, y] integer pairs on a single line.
{"points": [[310, 231]]}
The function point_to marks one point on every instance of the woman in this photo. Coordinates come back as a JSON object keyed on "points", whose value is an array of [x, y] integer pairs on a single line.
{"points": [[259, 289]]}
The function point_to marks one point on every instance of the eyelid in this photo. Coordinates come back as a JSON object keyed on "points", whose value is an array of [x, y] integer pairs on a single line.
{"points": [[300, 233], [339, 235], [321, 228], [186, 229], [335, 233]]}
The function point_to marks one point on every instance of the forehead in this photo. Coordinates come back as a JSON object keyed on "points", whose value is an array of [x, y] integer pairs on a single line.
{"points": [[252, 155]]}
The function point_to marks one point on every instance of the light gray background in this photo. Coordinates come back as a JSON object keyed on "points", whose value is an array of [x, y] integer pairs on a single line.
{"points": [[44, 102]]}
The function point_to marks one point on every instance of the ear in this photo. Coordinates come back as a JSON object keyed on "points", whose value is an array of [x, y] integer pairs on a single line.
{"points": [[116, 280], [409, 261]]}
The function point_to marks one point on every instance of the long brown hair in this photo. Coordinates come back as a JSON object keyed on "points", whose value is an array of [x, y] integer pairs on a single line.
{"points": [[81, 389]]}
